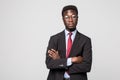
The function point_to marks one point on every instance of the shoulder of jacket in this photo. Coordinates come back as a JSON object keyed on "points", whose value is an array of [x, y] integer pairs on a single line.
{"points": [[57, 35], [84, 36]]}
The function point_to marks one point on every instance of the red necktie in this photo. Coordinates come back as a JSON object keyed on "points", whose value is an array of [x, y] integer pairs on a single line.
{"points": [[69, 45]]}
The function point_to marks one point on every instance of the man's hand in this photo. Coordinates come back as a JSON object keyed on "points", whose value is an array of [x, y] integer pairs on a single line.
{"points": [[53, 54], [77, 59]]}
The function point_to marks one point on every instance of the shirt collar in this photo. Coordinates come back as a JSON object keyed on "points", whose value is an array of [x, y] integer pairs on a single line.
{"points": [[73, 32]]}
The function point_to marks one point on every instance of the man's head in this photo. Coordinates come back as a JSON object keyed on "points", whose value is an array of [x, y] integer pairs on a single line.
{"points": [[70, 17]]}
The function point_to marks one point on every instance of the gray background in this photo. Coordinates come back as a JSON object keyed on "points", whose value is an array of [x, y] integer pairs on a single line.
{"points": [[26, 25]]}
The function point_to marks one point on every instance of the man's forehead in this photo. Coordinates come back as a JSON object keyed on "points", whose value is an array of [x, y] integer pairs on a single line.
{"points": [[70, 11]]}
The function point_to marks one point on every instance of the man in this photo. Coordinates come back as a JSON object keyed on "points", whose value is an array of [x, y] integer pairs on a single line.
{"points": [[69, 53]]}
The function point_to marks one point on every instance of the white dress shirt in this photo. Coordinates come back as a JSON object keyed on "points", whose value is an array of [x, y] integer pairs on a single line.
{"points": [[69, 62]]}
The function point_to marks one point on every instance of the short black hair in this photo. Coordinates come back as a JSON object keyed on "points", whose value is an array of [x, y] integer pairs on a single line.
{"points": [[69, 7]]}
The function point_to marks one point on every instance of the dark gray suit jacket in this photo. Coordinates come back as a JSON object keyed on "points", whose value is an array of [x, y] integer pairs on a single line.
{"points": [[81, 47]]}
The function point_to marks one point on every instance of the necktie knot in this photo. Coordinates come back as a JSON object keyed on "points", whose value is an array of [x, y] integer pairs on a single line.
{"points": [[70, 33]]}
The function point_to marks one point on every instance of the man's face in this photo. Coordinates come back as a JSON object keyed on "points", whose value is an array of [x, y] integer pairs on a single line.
{"points": [[70, 19]]}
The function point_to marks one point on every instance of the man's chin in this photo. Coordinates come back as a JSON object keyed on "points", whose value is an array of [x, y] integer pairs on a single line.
{"points": [[71, 29]]}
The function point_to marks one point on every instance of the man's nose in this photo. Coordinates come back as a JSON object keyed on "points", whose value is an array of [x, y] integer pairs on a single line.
{"points": [[70, 19]]}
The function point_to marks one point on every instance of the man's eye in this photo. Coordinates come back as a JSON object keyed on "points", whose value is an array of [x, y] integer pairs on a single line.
{"points": [[74, 16], [66, 17]]}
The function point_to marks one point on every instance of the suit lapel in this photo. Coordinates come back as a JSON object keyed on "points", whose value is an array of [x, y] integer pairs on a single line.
{"points": [[63, 43], [75, 43]]}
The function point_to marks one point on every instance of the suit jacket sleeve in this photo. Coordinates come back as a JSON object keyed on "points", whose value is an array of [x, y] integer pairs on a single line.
{"points": [[54, 64], [85, 66]]}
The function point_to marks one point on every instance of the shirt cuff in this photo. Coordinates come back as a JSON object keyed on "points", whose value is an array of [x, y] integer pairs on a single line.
{"points": [[69, 61]]}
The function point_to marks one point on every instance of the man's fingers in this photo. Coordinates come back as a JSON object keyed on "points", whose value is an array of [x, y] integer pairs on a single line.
{"points": [[54, 50], [57, 52], [50, 52], [53, 54], [80, 57], [50, 55]]}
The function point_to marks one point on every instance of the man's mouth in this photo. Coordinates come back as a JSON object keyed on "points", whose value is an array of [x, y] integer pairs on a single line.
{"points": [[70, 24]]}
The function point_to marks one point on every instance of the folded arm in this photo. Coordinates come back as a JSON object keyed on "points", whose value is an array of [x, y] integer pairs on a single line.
{"points": [[85, 65], [54, 61], [55, 56]]}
